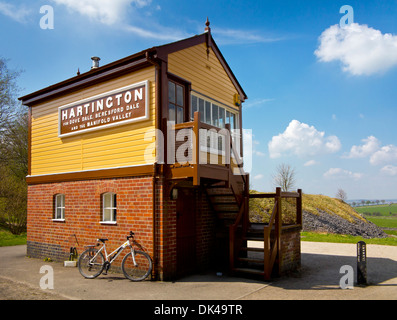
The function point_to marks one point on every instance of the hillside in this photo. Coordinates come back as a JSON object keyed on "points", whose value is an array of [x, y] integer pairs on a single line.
{"points": [[320, 213]]}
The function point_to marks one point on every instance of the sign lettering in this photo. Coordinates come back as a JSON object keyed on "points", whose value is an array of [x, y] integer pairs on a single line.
{"points": [[125, 105]]}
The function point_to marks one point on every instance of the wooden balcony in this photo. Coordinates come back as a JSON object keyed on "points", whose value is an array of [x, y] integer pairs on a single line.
{"points": [[197, 151]]}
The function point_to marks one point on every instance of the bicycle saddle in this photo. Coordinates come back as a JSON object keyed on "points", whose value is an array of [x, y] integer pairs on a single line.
{"points": [[103, 240]]}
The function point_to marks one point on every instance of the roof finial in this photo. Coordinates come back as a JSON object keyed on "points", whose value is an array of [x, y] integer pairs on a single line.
{"points": [[207, 26], [78, 71]]}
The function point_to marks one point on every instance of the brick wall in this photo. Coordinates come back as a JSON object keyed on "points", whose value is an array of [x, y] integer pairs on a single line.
{"points": [[47, 238], [165, 260], [291, 249], [205, 228]]}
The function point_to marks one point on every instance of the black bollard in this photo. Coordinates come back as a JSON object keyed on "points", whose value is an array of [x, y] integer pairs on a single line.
{"points": [[361, 263]]}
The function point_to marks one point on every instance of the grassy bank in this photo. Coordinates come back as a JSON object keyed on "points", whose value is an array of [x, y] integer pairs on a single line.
{"points": [[8, 239]]}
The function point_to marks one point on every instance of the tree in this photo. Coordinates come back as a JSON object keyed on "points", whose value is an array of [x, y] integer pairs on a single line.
{"points": [[285, 177], [8, 93], [341, 195], [13, 154]]}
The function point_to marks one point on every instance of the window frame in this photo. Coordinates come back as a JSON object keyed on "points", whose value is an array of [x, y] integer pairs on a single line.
{"points": [[59, 200], [176, 103], [209, 118], [112, 207]]}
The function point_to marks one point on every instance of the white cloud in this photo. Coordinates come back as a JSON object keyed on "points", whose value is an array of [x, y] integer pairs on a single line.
{"points": [[237, 36], [384, 155], [257, 102], [389, 170], [361, 49], [377, 154], [301, 140], [258, 177], [370, 146], [104, 11], [310, 163], [115, 13], [338, 173], [19, 14]]}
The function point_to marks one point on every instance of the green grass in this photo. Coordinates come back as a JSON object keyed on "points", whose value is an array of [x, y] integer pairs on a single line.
{"points": [[384, 209], [8, 239], [384, 222], [340, 238]]}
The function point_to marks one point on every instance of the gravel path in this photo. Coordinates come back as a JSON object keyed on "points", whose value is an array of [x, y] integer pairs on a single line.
{"points": [[14, 290]]}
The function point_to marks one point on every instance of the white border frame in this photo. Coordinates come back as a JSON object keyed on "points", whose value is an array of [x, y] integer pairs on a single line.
{"points": [[119, 123]]}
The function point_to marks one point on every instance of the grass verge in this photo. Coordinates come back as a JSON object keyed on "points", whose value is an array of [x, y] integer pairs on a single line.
{"points": [[9, 239], [341, 238]]}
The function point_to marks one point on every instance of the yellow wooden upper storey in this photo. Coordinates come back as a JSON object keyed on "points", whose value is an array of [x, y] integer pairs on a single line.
{"points": [[127, 144], [118, 146]]}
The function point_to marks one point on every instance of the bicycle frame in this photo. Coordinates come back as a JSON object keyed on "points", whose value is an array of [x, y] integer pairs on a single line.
{"points": [[116, 252]]}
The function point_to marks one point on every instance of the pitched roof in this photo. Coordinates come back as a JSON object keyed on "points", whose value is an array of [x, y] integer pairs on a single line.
{"points": [[128, 64]]}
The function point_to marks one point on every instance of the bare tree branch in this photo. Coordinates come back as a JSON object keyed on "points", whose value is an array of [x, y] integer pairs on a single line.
{"points": [[285, 177]]}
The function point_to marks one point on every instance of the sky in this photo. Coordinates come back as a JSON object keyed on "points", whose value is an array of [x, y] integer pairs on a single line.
{"points": [[320, 77]]}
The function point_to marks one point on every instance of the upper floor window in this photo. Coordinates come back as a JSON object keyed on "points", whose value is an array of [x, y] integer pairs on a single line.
{"points": [[213, 114], [109, 207], [59, 207], [176, 102]]}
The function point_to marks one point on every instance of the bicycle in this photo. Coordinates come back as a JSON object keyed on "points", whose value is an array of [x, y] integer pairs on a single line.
{"points": [[136, 265]]}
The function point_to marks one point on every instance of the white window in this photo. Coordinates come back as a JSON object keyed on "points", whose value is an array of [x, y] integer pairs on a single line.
{"points": [[59, 209], [213, 114], [109, 204]]}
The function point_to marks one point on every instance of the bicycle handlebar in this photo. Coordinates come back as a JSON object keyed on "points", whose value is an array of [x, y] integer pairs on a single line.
{"points": [[131, 235]]}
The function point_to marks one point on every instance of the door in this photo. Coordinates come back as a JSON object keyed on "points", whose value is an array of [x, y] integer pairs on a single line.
{"points": [[186, 232]]}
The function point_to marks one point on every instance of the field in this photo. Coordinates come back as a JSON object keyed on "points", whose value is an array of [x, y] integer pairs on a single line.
{"points": [[382, 210], [384, 216]]}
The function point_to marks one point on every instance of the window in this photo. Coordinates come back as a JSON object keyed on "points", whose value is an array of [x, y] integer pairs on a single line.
{"points": [[176, 102], [109, 204], [59, 207], [213, 114]]}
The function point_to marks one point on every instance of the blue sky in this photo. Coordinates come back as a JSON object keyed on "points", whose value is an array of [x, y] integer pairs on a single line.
{"points": [[322, 96]]}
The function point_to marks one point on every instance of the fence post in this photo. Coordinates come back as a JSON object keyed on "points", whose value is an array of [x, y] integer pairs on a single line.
{"points": [[299, 208], [277, 228], [196, 149]]}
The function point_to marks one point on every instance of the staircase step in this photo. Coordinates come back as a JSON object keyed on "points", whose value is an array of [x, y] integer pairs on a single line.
{"points": [[227, 210], [221, 195], [226, 215], [252, 249], [250, 271], [254, 260], [218, 203], [253, 238]]}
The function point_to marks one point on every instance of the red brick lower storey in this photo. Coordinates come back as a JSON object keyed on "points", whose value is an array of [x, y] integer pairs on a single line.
{"points": [[50, 238], [82, 224]]}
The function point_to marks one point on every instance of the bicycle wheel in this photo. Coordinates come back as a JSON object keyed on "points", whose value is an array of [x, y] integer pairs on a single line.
{"points": [[141, 270], [91, 268]]}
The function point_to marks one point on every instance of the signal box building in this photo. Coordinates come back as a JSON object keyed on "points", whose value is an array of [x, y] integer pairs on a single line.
{"points": [[149, 143]]}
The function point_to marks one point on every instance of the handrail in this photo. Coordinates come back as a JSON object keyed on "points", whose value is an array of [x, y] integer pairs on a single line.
{"points": [[272, 217]]}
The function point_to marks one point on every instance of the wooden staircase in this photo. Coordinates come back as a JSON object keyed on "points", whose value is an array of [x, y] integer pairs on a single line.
{"points": [[254, 249]]}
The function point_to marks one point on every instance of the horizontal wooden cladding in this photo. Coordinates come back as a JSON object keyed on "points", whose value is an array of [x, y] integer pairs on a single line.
{"points": [[118, 146], [144, 170], [206, 74]]}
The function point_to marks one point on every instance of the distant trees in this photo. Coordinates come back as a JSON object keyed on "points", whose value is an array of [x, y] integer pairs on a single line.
{"points": [[13, 154], [285, 177]]}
